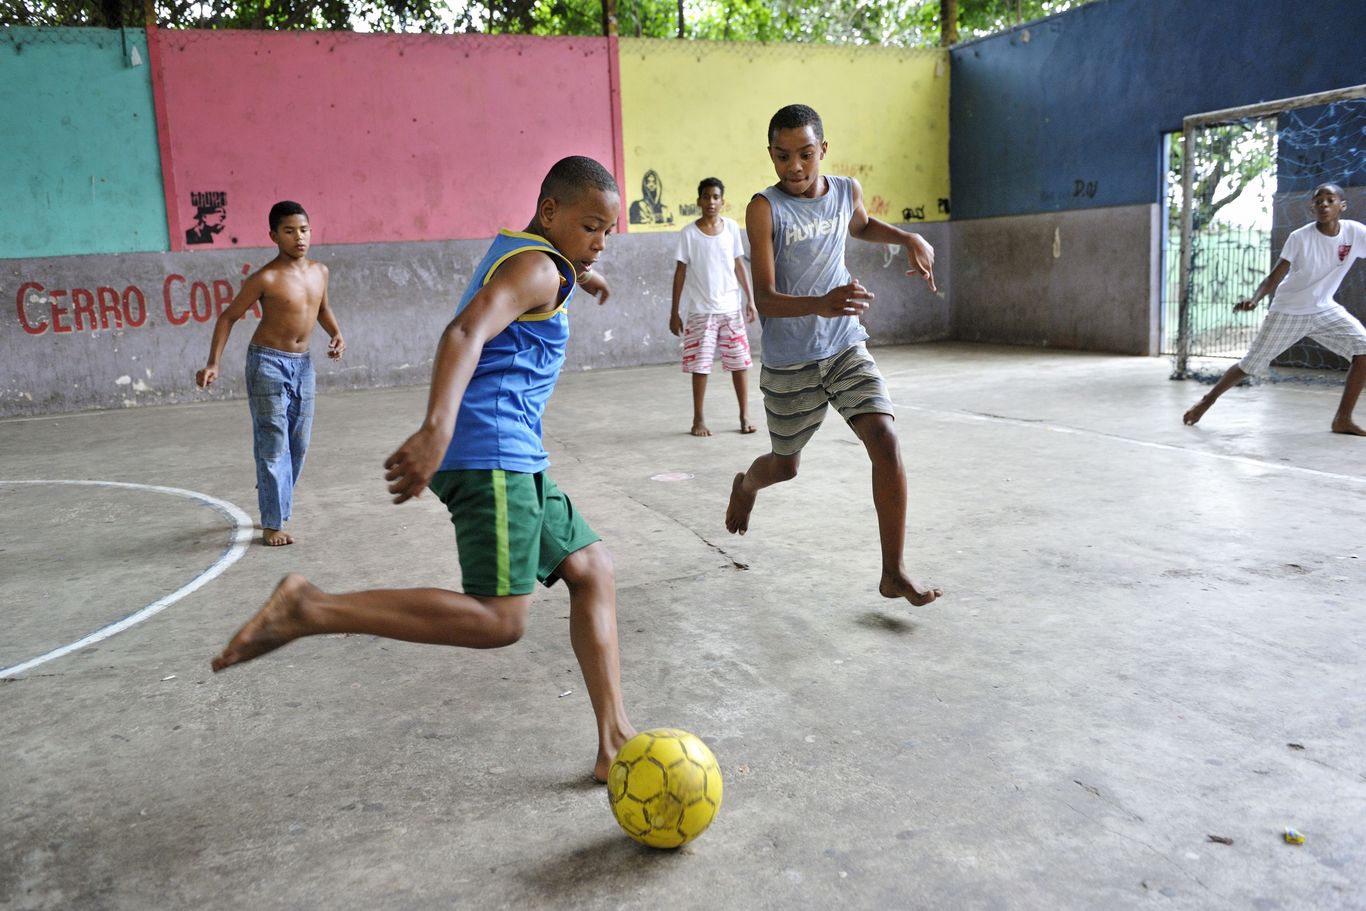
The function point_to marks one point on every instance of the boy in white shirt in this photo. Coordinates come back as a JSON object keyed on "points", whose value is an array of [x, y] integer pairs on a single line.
{"points": [[1313, 263], [708, 283]]}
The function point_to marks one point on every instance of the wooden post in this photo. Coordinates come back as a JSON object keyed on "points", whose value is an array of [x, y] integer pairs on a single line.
{"points": [[609, 18]]}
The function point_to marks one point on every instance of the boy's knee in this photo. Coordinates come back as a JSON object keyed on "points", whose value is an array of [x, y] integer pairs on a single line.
{"points": [[508, 628], [506, 623], [588, 565], [878, 433]]}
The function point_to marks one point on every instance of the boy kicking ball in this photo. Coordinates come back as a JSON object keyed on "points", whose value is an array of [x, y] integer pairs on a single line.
{"points": [[1313, 263], [479, 450]]}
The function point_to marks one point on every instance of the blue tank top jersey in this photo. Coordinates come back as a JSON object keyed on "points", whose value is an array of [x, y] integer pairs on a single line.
{"points": [[499, 424], [808, 260]]}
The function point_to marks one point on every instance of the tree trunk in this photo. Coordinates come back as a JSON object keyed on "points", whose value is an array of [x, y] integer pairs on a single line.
{"points": [[609, 17], [682, 31], [948, 23]]}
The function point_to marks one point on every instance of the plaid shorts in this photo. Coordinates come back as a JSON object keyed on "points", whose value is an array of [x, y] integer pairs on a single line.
{"points": [[707, 333], [796, 396], [1336, 329]]}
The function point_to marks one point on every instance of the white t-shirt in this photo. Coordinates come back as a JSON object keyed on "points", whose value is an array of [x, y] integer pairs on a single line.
{"points": [[710, 284], [1318, 264]]}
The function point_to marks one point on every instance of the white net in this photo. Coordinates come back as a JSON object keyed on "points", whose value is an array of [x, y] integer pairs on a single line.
{"points": [[1251, 178]]}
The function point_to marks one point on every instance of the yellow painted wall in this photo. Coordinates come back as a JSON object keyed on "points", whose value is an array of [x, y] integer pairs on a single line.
{"points": [[694, 109]]}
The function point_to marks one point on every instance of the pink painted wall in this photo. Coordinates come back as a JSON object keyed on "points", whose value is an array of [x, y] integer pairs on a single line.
{"points": [[381, 137]]}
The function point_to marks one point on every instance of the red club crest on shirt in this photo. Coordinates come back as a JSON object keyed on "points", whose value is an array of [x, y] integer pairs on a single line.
{"points": [[1343, 250]]}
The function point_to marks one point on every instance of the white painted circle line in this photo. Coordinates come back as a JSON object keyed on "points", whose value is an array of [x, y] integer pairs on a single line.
{"points": [[242, 533]]}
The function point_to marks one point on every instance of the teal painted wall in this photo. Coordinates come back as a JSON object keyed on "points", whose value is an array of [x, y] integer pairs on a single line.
{"points": [[81, 167]]}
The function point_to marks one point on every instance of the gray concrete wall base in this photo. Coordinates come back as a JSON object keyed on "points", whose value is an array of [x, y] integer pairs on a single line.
{"points": [[90, 332], [1086, 280]]}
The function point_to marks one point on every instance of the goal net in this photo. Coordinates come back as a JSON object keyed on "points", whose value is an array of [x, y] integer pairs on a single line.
{"points": [[1239, 182]]}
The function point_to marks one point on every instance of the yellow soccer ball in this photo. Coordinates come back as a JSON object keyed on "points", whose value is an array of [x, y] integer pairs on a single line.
{"points": [[664, 787]]}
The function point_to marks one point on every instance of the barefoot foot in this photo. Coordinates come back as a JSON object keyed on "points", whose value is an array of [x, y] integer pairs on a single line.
{"points": [[280, 620], [740, 505], [893, 586], [274, 537], [1346, 425], [745, 425], [607, 751], [699, 429], [1195, 413]]}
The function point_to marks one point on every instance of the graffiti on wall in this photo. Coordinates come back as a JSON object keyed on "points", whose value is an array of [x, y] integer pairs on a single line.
{"points": [[650, 208], [210, 217], [180, 301]]}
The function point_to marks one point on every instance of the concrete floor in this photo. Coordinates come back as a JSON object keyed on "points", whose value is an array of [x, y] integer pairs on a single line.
{"points": [[1141, 620]]}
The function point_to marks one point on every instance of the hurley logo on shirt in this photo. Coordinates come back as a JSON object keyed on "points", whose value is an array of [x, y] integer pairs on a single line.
{"points": [[1343, 250], [818, 228]]}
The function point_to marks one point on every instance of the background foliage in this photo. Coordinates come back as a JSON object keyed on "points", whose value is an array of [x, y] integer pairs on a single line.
{"points": [[907, 23]]}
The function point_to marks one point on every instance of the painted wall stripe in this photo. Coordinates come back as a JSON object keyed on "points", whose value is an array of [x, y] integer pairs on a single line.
{"points": [[242, 532]]}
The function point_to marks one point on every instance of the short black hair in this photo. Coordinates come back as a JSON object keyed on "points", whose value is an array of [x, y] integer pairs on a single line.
{"points": [[710, 182], [282, 210], [1331, 187], [794, 117], [569, 177]]}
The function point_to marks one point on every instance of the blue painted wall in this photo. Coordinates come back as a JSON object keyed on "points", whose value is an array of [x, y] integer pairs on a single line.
{"points": [[81, 168], [1069, 112]]}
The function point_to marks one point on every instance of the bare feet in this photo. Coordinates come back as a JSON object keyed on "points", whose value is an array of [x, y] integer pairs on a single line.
{"points": [[274, 537], [1347, 425], [745, 425], [740, 505], [699, 429], [1195, 413], [608, 752], [277, 622], [904, 587]]}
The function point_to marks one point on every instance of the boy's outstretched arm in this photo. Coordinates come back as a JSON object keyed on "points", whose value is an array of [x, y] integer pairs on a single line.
{"points": [[865, 227], [1267, 287], [846, 300], [524, 283], [252, 291], [328, 320]]}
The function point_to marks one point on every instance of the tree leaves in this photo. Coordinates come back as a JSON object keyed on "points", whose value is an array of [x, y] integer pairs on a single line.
{"points": [[901, 23]]}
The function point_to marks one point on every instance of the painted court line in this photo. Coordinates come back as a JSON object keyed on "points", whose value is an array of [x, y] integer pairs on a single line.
{"points": [[1147, 444], [242, 532]]}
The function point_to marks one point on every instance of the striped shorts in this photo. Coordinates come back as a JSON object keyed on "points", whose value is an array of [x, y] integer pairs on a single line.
{"points": [[796, 397], [707, 333], [512, 529], [1336, 329]]}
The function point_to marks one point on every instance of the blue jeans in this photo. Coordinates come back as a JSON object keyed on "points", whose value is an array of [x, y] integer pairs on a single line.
{"points": [[280, 386]]}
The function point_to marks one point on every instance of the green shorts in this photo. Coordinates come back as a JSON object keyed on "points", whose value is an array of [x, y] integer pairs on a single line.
{"points": [[512, 529]]}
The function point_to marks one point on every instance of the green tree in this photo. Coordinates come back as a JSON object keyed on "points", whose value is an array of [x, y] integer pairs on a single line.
{"points": [[1228, 159], [905, 23]]}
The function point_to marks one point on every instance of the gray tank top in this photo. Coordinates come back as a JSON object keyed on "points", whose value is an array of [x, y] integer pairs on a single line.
{"points": [[808, 260]]}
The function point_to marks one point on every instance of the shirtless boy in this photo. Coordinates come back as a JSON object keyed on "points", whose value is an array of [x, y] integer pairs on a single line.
{"points": [[292, 292]]}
